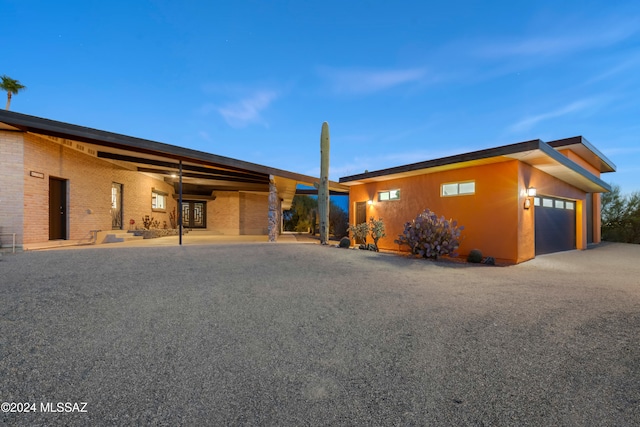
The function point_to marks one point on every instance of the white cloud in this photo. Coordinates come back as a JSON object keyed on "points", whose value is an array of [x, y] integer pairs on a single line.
{"points": [[531, 121], [247, 110], [370, 81], [561, 43]]}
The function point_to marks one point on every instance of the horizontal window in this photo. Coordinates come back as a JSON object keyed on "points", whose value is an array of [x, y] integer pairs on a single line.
{"points": [[458, 188], [388, 195], [547, 202]]}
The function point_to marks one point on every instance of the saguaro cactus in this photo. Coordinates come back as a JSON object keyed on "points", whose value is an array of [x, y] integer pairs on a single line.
{"points": [[323, 187]]}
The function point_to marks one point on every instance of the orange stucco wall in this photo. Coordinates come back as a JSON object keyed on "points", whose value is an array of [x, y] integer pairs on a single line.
{"points": [[493, 231], [495, 219], [579, 160], [597, 204]]}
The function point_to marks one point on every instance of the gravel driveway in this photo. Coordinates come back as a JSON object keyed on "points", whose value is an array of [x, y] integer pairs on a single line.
{"points": [[272, 334]]}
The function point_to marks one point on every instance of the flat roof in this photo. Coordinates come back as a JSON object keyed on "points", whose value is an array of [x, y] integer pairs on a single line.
{"points": [[535, 153], [200, 169]]}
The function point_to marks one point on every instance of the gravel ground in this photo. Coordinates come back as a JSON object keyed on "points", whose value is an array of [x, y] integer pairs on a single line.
{"points": [[271, 334]]}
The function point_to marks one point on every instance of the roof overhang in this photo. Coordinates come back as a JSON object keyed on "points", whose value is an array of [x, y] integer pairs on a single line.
{"points": [[586, 150], [535, 153], [199, 169]]}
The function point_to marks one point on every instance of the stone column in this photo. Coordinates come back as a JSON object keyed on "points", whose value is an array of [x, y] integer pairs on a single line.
{"points": [[273, 210]]}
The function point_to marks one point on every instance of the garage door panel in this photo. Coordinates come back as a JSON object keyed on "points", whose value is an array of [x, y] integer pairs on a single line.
{"points": [[555, 227]]}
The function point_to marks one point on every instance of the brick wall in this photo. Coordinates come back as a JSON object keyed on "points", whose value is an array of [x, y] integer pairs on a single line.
{"points": [[89, 182], [12, 188], [234, 213], [24, 207], [254, 213], [223, 213]]}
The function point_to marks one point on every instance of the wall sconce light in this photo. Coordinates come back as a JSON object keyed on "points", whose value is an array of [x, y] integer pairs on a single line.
{"points": [[370, 202], [531, 192]]}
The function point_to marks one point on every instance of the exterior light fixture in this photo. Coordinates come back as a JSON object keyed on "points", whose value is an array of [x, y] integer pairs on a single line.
{"points": [[531, 192], [370, 202]]}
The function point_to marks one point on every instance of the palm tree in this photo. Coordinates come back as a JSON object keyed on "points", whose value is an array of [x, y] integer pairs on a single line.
{"points": [[12, 87]]}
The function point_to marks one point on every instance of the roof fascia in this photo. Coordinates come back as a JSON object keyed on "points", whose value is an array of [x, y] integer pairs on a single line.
{"points": [[98, 137], [444, 161]]}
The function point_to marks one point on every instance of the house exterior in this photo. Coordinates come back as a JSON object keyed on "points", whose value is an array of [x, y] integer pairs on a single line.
{"points": [[491, 193], [71, 184]]}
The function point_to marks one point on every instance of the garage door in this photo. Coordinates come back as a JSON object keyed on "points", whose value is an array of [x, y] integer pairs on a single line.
{"points": [[555, 224]]}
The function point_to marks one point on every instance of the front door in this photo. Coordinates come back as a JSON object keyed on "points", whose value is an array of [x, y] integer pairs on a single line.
{"points": [[361, 216], [194, 214], [57, 209]]}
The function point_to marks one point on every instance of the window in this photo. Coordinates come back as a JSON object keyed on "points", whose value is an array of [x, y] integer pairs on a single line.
{"points": [[548, 202], [158, 200], [458, 188], [384, 196]]}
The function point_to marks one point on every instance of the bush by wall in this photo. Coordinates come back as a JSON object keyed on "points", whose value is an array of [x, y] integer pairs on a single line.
{"points": [[431, 236]]}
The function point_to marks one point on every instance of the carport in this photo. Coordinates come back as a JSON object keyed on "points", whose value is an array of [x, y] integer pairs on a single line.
{"points": [[83, 161]]}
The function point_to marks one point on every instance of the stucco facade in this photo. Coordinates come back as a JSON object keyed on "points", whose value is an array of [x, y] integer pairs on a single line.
{"points": [[494, 215]]}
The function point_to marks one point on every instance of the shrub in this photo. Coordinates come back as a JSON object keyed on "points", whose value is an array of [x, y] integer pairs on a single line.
{"points": [[475, 256], [360, 231], [431, 236], [345, 242]]}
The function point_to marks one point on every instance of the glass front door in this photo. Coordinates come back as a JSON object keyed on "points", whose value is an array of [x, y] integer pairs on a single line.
{"points": [[194, 214]]}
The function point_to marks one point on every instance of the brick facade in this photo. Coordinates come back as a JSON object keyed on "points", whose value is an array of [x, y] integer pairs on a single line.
{"points": [[27, 161], [12, 188], [238, 213]]}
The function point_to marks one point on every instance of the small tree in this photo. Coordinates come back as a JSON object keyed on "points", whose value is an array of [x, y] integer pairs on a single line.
{"points": [[376, 226], [431, 236], [360, 232], [11, 86]]}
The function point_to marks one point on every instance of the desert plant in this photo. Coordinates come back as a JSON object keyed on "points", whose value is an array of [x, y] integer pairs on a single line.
{"points": [[360, 232], [149, 222], [475, 256], [431, 236], [376, 227], [173, 219]]}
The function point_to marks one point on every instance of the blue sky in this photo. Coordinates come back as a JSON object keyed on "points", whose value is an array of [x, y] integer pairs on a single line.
{"points": [[398, 82]]}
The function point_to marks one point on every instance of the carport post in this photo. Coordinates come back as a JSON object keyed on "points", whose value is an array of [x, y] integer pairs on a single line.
{"points": [[180, 204]]}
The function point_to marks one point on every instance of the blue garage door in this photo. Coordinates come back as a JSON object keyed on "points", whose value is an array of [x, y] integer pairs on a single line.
{"points": [[555, 224]]}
